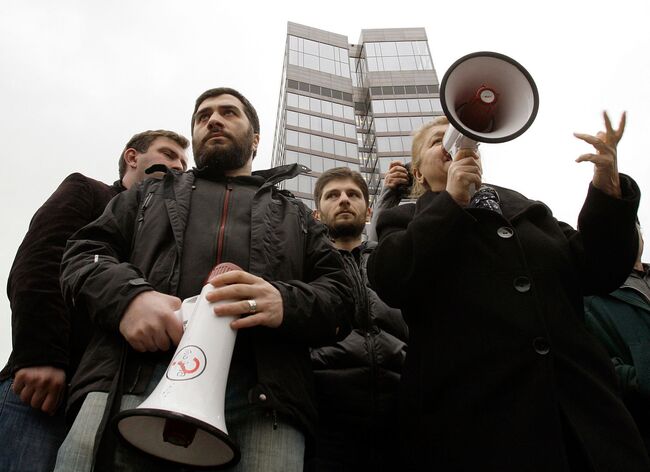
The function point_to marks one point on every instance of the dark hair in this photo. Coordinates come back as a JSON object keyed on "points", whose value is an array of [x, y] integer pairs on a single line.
{"points": [[215, 92], [141, 142], [340, 173]]}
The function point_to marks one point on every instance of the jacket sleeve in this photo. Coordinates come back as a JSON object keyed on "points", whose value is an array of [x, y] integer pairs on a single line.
{"points": [[40, 321], [95, 276], [388, 198], [598, 319], [411, 238], [606, 243], [318, 309]]}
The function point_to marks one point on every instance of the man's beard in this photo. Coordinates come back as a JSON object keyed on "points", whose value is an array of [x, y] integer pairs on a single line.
{"points": [[220, 158], [348, 229]]}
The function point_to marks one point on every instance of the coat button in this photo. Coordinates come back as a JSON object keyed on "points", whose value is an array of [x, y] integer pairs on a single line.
{"points": [[522, 284], [262, 397], [505, 232], [541, 346]]}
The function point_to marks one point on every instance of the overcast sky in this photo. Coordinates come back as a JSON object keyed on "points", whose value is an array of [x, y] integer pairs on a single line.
{"points": [[79, 78]]}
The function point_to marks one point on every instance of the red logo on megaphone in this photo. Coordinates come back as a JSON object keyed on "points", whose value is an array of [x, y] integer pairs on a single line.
{"points": [[188, 363]]}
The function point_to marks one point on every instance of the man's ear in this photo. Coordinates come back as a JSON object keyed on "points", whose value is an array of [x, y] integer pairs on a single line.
{"points": [[131, 158], [368, 215], [256, 141], [316, 214]]}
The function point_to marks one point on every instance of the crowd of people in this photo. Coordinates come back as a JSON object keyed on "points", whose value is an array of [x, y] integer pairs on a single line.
{"points": [[464, 329]]}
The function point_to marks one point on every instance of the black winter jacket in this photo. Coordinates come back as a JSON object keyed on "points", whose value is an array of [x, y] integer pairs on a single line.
{"points": [[358, 376], [357, 381], [136, 245]]}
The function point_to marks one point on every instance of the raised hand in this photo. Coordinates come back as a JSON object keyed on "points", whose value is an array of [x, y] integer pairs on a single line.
{"points": [[464, 176], [396, 176], [605, 159]]}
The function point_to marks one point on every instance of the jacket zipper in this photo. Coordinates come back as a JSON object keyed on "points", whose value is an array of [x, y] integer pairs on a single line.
{"points": [[373, 369], [144, 207], [222, 223]]}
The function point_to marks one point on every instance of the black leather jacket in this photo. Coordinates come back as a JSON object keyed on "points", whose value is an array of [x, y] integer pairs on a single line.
{"points": [[137, 245]]}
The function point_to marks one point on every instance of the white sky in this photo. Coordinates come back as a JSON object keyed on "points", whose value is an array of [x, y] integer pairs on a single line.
{"points": [[79, 78]]}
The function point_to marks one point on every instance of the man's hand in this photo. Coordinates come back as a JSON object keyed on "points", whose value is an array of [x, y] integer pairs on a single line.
{"points": [[242, 286], [40, 387], [396, 176], [605, 160], [464, 173], [149, 322]]}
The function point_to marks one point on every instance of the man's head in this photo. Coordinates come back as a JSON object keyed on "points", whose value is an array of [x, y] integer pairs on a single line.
{"points": [[342, 200], [225, 130], [150, 148]]}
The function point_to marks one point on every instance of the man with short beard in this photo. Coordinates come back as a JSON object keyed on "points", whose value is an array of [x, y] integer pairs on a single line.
{"points": [[156, 245], [356, 378]]}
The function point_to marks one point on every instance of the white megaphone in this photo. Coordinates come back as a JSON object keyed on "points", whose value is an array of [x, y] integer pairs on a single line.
{"points": [[183, 420], [487, 98]]}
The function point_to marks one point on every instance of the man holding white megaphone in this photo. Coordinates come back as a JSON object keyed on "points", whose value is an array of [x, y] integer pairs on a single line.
{"points": [[151, 248]]}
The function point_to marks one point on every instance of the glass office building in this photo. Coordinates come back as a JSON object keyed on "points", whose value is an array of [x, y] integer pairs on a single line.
{"points": [[352, 105]]}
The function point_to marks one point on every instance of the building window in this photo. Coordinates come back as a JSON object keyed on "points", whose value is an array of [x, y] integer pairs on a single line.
{"points": [[325, 125], [319, 56], [320, 106], [412, 105], [396, 56], [394, 144], [321, 144]]}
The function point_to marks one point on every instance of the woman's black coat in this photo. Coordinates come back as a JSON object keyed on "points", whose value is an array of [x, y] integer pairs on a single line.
{"points": [[501, 371]]}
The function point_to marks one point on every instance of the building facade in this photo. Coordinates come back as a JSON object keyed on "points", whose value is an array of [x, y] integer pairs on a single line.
{"points": [[352, 105]]}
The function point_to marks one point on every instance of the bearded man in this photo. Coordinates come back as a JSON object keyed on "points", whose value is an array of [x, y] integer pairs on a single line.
{"points": [[155, 246], [357, 378]]}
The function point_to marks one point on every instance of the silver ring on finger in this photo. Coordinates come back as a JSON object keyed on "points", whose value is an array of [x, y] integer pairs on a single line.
{"points": [[252, 306]]}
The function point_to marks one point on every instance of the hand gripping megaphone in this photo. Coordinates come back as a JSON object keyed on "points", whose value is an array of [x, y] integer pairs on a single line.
{"points": [[487, 98], [183, 420]]}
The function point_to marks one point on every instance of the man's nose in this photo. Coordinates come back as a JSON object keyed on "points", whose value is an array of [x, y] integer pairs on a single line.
{"points": [[343, 199], [215, 122]]}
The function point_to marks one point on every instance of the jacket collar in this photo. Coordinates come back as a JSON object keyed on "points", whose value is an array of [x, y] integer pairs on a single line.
{"points": [[271, 176], [278, 174], [631, 296], [513, 204]]}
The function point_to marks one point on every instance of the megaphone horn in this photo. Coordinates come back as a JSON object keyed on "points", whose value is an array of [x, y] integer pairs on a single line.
{"points": [[183, 420], [488, 98]]}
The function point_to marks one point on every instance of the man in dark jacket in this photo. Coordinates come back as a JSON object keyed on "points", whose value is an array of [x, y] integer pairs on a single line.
{"points": [[155, 245], [48, 339], [621, 320], [357, 378]]}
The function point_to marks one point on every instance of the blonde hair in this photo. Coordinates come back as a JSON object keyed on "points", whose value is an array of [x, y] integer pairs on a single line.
{"points": [[419, 140]]}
